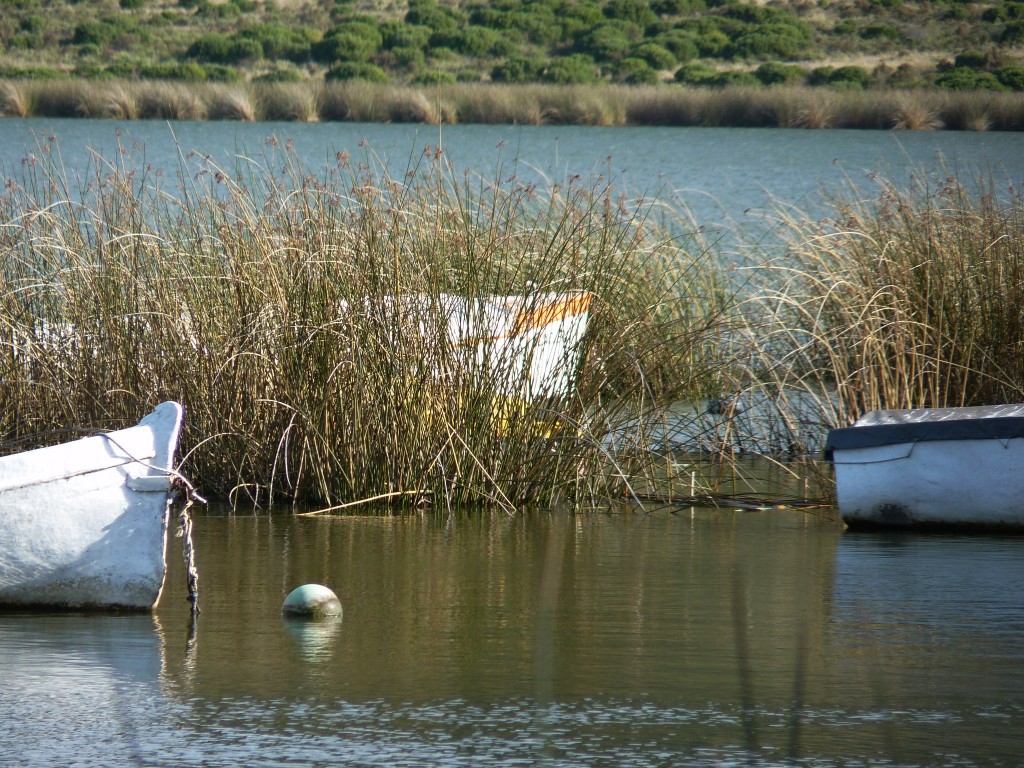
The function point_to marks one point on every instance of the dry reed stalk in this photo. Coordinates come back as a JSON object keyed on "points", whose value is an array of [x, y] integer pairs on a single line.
{"points": [[478, 103], [229, 103], [120, 103], [912, 112], [61, 98], [353, 100], [908, 301], [817, 110], [14, 100], [170, 101], [410, 105], [293, 102], [651, 105], [265, 302]]}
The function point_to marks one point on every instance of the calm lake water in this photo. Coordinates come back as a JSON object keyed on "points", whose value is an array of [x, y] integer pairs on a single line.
{"points": [[731, 179], [628, 639]]}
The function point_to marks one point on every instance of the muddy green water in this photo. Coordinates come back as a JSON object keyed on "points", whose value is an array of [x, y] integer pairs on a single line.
{"points": [[688, 638]]}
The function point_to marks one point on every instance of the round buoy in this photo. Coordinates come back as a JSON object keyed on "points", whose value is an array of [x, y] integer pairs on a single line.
{"points": [[311, 601]]}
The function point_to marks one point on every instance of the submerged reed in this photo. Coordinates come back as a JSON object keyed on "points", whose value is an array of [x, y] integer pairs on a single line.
{"points": [[263, 300]]}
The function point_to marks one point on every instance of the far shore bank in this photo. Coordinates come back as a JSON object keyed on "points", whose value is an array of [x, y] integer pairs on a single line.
{"points": [[599, 105]]}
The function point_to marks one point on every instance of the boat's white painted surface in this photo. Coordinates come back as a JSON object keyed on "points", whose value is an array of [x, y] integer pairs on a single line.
{"points": [[966, 481], [530, 346], [84, 524], [538, 340]]}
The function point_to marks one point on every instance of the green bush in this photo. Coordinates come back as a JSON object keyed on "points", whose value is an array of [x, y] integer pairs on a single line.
{"points": [[677, 7], [221, 73], [518, 70], [779, 41], [30, 73], [776, 73], [1012, 77], [881, 32], [680, 44], [1003, 12], [473, 41], [713, 44], [577, 68], [849, 77], [351, 41], [636, 11], [434, 77], [574, 20], [956, 13], [208, 10], [1013, 34], [655, 55], [221, 49], [411, 59], [353, 70], [102, 32], [280, 42], [32, 23], [971, 60], [695, 73], [635, 71], [610, 41], [398, 34], [539, 25], [820, 75], [905, 76], [439, 18], [966, 79], [732, 78]]}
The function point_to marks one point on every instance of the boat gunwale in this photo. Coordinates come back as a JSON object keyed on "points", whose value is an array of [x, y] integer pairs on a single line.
{"points": [[946, 430]]}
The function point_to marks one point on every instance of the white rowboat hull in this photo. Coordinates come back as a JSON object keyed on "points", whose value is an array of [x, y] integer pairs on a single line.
{"points": [[932, 467], [530, 347], [84, 524]]}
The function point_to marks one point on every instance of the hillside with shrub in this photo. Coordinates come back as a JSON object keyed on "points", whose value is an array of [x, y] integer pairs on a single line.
{"points": [[840, 44]]}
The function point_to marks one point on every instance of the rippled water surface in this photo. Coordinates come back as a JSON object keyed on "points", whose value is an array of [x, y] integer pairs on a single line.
{"points": [[688, 638], [730, 179]]}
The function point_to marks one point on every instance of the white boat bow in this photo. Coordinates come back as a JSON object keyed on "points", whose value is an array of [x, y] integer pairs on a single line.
{"points": [[84, 524]]}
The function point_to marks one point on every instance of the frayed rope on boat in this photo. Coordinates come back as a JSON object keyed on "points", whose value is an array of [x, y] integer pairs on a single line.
{"points": [[183, 494]]}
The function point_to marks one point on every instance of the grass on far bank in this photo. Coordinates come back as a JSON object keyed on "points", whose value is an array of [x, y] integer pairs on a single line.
{"points": [[734, 106]]}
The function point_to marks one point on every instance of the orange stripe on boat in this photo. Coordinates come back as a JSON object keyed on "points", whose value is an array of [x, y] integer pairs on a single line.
{"points": [[570, 306]]}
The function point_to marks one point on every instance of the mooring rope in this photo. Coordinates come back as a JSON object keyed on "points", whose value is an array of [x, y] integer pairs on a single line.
{"points": [[185, 495]]}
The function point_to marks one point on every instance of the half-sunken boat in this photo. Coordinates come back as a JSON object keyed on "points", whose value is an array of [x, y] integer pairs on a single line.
{"points": [[527, 346], [960, 467], [83, 524]]}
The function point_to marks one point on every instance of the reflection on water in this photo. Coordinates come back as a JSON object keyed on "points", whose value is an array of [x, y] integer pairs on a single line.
{"points": [[687, 638], [313, 639]]}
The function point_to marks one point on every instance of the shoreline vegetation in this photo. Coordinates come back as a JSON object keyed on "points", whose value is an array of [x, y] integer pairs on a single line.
{"points": [[532, 104], [912, 64], [256, 295]]}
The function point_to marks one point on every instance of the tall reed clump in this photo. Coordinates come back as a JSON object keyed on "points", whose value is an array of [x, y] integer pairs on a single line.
{"points": [[913, 299], [303, 319]]}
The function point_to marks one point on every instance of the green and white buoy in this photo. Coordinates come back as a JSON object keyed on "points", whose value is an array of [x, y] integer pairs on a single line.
{"points": [[311, 601]]}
